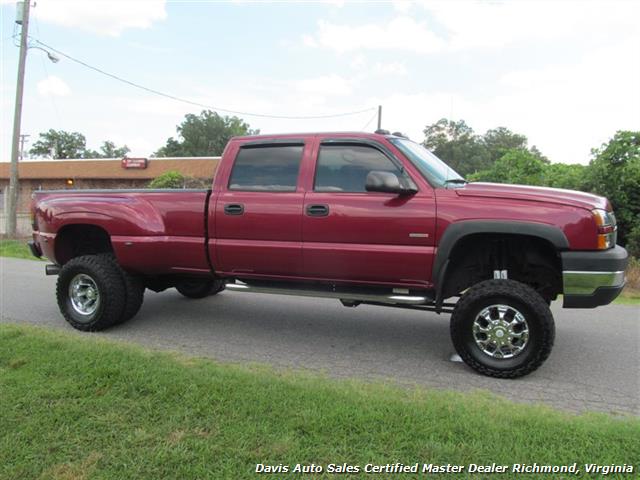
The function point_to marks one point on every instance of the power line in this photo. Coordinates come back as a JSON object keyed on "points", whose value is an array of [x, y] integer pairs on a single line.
{"points": [[375, 114], [52, 98], [202, 105]]}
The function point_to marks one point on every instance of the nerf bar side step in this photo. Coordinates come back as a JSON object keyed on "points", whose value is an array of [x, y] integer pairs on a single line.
{"points": [[387, 297]]}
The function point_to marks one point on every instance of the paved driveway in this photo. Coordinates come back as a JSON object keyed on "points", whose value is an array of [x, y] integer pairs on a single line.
{"points": [[595, 364]]}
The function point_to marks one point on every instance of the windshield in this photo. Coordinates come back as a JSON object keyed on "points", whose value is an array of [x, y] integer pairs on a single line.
{"points": [[433, 169]]}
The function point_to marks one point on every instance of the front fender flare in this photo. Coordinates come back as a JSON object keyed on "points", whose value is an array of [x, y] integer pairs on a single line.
{"points": [[457, 231]]}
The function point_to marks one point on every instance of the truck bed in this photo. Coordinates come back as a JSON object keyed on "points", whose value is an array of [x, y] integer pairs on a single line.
{"points": [[144, 224]]}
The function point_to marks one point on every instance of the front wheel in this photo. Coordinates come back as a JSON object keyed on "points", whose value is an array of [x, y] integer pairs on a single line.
{"points": [[200, 288], [502, 328]]}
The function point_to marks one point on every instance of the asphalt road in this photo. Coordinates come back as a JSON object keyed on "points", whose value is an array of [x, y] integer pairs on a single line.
{"points": [[595, 364]]}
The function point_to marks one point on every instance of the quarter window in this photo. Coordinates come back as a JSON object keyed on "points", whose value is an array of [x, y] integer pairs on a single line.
{"points": [[344, 168], [267, 168]]}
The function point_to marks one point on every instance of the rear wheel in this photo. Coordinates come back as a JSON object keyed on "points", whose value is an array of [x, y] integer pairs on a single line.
{"points": [[502, 328], [91, 293], [134, 291], [200, 288]]}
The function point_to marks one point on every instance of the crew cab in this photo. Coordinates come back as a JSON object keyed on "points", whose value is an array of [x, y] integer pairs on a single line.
{"points": [[359, 217]]}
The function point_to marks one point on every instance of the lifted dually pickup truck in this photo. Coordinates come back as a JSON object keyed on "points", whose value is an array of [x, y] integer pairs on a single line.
{"points": [[363, 218]]}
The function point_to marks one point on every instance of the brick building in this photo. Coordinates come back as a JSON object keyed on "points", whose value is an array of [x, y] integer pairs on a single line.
{"points": [[86, 173]]}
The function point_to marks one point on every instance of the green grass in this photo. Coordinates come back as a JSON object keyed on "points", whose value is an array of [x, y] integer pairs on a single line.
{"points": [[15, 249], [74, 406], [629, 297]]}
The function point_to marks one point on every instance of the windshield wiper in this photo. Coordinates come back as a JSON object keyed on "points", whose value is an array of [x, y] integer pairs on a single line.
{"points": [[456, 180]]}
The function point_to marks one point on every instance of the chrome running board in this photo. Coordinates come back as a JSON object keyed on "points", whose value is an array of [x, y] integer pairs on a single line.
{"points": [[362, 296]]}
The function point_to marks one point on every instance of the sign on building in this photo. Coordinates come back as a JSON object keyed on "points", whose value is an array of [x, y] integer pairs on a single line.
{"points": [[134, 162]]}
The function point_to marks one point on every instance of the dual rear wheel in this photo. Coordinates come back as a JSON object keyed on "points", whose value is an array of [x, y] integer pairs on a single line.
{"points": [[94, 293]]}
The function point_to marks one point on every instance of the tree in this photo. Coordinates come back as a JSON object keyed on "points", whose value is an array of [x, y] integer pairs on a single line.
{"points": [[457, 145], [499, 140], [59, 144], [563, 175], [203, 135], [633, 243], [62, 144], [614, 172], [539, 154], [107, 150], [515, 166]]}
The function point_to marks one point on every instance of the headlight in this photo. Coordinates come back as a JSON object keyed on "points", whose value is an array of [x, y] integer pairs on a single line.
{"points": [[607, 228]]}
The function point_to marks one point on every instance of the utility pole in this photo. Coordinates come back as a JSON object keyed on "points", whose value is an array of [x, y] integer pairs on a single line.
{"points": [[24, 138], [379, 117], [12, 202]]}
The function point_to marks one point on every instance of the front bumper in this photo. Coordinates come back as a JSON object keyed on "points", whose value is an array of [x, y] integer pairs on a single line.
{"points": [[591, 279]]}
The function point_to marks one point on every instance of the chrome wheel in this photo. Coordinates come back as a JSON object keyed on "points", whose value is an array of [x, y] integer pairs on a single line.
{"points": [[84, 294], [500, 331]]}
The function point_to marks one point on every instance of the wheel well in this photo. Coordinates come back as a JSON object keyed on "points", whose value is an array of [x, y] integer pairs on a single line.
{"points": [[76, 240], [531, 260]]}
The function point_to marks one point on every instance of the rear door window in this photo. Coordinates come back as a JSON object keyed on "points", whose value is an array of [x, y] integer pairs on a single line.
{"points": [[271, 168]]}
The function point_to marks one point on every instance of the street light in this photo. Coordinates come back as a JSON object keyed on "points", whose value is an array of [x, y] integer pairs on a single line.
{"points": [[51, 56]]}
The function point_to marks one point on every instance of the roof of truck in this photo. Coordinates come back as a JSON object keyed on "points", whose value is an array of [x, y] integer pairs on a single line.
{"points": [[375, 136]]}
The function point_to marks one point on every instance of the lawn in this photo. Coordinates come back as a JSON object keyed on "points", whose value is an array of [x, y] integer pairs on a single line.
{"points": [[629, 296], [15, 249], [76, 406]]}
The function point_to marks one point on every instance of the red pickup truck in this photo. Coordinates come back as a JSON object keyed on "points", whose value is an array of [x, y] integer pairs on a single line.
{"points": [[363, 218]]}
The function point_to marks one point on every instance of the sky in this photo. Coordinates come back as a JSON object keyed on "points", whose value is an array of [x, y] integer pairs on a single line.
{"points": [[564, 73]]}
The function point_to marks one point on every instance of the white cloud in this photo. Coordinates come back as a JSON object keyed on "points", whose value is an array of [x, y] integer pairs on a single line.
{"points": [[402, 6], [309, 41], [572, 108], [472, 24], [401, 33], [393, 68], [565, 110], [358, 62], [153, 119], [468, 24], [331, 3], [53, 86], [326, 85], [101, 16]]}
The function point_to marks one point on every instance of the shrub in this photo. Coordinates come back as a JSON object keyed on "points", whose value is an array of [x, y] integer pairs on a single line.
{"points": [[174, 179]]}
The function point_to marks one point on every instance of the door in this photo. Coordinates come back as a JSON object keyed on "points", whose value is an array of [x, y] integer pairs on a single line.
{"points": [[258, 213], [353, 235]]}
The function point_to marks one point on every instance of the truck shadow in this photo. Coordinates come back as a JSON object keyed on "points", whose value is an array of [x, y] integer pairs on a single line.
{"points": [[295, 331]]}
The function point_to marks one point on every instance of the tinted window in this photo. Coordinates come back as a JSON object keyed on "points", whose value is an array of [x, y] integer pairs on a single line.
{"points": [[273, 168], [344, 168]]}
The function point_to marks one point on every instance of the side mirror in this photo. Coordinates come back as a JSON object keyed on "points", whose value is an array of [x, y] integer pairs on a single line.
{"points": [[387, 182]]}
